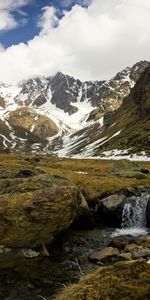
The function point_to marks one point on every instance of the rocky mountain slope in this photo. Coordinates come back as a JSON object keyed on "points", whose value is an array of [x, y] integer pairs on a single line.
{"points": [[124, 132], [59, 114]]}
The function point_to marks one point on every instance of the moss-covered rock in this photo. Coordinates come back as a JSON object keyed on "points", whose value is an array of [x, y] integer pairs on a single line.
{"points": [[128, 169], [33, 210]]}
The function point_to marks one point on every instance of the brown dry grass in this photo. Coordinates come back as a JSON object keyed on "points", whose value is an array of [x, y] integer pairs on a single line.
{"points": [[96, 182], [128, 280]]}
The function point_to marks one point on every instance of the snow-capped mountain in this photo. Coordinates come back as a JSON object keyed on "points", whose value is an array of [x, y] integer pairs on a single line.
{"points": [[60, 114]]}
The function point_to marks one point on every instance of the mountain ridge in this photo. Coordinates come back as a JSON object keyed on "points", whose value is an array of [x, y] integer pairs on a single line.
{"points": [[74, 107]]}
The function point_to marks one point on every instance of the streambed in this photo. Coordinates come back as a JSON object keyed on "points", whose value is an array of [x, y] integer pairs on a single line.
{"points": [[42, 277]]}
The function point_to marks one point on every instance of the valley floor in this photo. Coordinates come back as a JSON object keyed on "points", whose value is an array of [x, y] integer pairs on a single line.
{"points": [[93, 177], [42, 277]]}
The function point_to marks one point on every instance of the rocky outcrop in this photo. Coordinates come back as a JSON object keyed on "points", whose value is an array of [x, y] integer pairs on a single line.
{"points": [[38, 125], [109, 211], [96, 100], [33, 210], [131, 121]]}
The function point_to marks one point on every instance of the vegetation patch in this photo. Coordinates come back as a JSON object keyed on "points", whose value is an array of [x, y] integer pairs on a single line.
{"points": [[128, 280]]}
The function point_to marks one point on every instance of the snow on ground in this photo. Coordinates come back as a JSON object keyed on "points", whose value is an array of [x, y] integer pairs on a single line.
{"points": [[9, 91], [88, 150], [71, 143], [81, 172], [115, 155], [5, 139]]}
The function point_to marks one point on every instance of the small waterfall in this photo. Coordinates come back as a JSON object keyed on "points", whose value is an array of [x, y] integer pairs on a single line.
{"points": [[134, 216]]}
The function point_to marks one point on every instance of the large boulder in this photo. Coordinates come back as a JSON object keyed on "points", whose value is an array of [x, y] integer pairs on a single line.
{"points": [[33, 210], [109, 210]]}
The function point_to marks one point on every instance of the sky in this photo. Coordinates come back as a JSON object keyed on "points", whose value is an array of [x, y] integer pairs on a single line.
{"points": [[87, 39]]}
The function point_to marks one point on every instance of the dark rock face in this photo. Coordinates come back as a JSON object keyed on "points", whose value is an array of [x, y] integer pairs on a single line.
{"points": [[131, 120], [115, 90], [65, 90], [2, 102], [148, 214], [109, 210], [40, 100], [141, 94]]}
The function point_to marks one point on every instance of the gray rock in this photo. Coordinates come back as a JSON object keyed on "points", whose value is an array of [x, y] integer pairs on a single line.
{"points": [[125, 256], [141, 253], [104, 254]]}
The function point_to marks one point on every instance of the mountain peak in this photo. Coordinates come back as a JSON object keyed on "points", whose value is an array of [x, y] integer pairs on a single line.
{"points": [[81, 107]]}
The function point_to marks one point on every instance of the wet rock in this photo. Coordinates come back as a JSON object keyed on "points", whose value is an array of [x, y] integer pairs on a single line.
{"points": [[148, 214], [104, 254], [141, 253], [130, 247], [35, 210], [144, 240], [109, 210], [29, 253], [118, 243]]}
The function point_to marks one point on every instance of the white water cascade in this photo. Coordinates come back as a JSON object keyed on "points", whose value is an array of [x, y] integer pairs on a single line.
{"points": [[134, 217]]}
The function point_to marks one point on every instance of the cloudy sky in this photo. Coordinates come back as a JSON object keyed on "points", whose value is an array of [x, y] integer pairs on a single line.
{"points": [[88, 39]]}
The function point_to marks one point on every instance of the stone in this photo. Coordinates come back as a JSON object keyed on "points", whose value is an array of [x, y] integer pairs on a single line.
{"points": [[130, 247], [37, 208], [118, 243], [144, 240], [125, 256], [141, 253], [104, 254], [29, 253], [109, 210], [148, 214]]}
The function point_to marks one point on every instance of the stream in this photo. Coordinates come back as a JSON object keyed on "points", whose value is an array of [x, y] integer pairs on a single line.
{"points": [[43, 277]]}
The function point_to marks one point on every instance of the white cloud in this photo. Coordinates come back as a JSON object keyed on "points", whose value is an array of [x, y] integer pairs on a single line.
{"points": [[88, 43], [7, 20], [48, 20]]}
